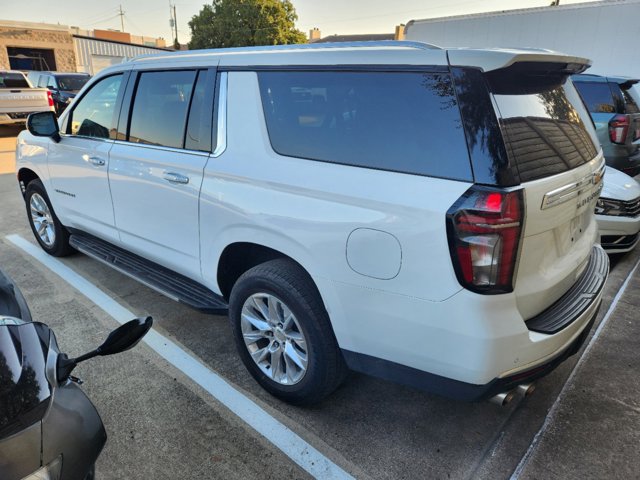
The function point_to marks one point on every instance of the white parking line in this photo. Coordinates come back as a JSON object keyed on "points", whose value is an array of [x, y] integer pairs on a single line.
{"points": [[296, 448], [554, 408]]}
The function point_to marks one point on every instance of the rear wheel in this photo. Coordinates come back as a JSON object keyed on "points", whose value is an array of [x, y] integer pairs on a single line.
{"points": [[46, 227], [283, 334]]}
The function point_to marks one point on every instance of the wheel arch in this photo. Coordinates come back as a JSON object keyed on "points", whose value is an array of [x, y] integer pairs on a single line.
{"points": [[25, 176]]}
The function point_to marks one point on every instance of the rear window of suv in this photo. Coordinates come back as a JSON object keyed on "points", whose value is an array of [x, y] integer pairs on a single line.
{"points": [[406, 122], [545, 126]]}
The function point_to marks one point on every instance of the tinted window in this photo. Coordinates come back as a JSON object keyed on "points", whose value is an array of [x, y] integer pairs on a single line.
{"points": [[546, 128], [71, 83], [13, 80], [200, 115], [160, 107], [94, 114], [597, 96], [406, 122]]}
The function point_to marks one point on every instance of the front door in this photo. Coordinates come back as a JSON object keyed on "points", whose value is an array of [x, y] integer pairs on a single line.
{"points": [[78, 164]]}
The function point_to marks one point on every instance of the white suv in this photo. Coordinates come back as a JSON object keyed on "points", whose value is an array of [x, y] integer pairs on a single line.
{"points": [[419, 214]]}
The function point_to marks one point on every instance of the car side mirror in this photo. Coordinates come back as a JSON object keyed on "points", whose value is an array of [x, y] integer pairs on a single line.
{"points": [[44, 124]]}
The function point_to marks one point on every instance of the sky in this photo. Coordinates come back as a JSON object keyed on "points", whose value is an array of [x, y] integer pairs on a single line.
{"points": [[151, 17]]}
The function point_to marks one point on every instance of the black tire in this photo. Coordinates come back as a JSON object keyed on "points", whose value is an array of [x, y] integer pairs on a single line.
{"points": [[60, 246], [292, 285]]}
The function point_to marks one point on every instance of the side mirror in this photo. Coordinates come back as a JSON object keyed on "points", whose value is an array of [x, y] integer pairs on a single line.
{"points": [[123, 338], [44, 124]]}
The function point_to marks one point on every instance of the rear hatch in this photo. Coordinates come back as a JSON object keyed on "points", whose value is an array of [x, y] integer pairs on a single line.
{"points": [[16, 95], [552, 155], [552, 144]]}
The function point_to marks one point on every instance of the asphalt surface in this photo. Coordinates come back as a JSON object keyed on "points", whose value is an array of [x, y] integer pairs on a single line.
{"points": [[163, 425]]}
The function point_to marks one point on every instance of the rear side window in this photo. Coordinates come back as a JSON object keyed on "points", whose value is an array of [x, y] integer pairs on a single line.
{"points": [[13, 80], [545, 126], [400, 121], [160, 107], [597, 96]]}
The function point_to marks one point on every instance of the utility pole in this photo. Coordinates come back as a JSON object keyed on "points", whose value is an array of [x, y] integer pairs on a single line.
{"points": [[175, 23], [121, 13]]}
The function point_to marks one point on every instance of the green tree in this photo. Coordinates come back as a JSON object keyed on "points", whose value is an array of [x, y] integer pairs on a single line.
{"points": [[240, 23]]}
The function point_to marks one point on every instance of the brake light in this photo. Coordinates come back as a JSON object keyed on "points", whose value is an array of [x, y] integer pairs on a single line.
{"points": [[619, 128], [50, 98], [484, 228]]}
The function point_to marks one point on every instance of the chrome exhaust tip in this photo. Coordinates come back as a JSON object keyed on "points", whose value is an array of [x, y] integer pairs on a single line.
{"points": [[526, 389], [503, 399]]}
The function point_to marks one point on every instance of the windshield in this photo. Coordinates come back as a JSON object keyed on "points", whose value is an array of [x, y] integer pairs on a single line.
{"points": [[70, 83], [24, 388], [13, 80]]}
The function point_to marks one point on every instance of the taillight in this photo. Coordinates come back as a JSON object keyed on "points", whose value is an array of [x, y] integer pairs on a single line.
{"points": [[50, 98], [484, 228], [619, 128]]}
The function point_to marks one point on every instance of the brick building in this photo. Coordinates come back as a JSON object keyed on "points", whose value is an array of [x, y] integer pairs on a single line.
{"points": [[36, 46], [43, 46]]}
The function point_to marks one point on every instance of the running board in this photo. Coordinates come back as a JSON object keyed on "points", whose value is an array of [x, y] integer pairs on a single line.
{"points": [[161, 279]]}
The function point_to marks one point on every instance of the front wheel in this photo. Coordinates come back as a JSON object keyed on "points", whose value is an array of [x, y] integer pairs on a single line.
{"points": [[46, 227], [283, 333]]}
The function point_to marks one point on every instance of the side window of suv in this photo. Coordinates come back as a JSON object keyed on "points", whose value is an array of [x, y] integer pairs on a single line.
{"points": [[406, 122], [94, 115], [160, 107]]}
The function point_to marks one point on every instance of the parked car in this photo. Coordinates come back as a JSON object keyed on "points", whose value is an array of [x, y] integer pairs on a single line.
{"points": [[49, 429], [18, 98], [362, 206], [63, 86], [613, 105], [618, 212]]}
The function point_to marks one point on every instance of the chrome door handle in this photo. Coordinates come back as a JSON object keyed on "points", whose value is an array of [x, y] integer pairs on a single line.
{"points": [[175, 178], [97, 161]]}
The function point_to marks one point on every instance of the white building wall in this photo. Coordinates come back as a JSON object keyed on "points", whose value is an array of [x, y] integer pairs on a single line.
{"points": [[93, 55], [607, 32]]}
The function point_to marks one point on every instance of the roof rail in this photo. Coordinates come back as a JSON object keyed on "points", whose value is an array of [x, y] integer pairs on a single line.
{"points": [[301, 46]]}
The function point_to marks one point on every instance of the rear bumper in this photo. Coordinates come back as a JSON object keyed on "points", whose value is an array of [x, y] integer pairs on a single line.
{"points": [[471, 347], [620, 159]]}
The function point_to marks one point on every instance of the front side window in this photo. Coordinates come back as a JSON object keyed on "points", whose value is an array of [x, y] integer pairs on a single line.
{"points": [[94, 115], [160, 107], [399, 121]]}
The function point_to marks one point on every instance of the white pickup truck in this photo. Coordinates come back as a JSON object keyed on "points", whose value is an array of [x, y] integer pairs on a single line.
{"points": [[18, 98]]}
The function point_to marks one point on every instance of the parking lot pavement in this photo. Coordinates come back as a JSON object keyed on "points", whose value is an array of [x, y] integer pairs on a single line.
{"points": [[161, 424]]}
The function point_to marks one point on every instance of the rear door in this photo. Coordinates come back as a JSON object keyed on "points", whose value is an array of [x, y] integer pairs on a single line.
{"points": [[553, 150], [156, 168]]}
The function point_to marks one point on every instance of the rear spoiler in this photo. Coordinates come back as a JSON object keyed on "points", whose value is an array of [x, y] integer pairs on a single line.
{"points": [[497, 58]]}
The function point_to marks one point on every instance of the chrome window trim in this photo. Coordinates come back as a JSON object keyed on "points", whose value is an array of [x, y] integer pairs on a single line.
{"points": [[221, 130], [197, 153]]}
